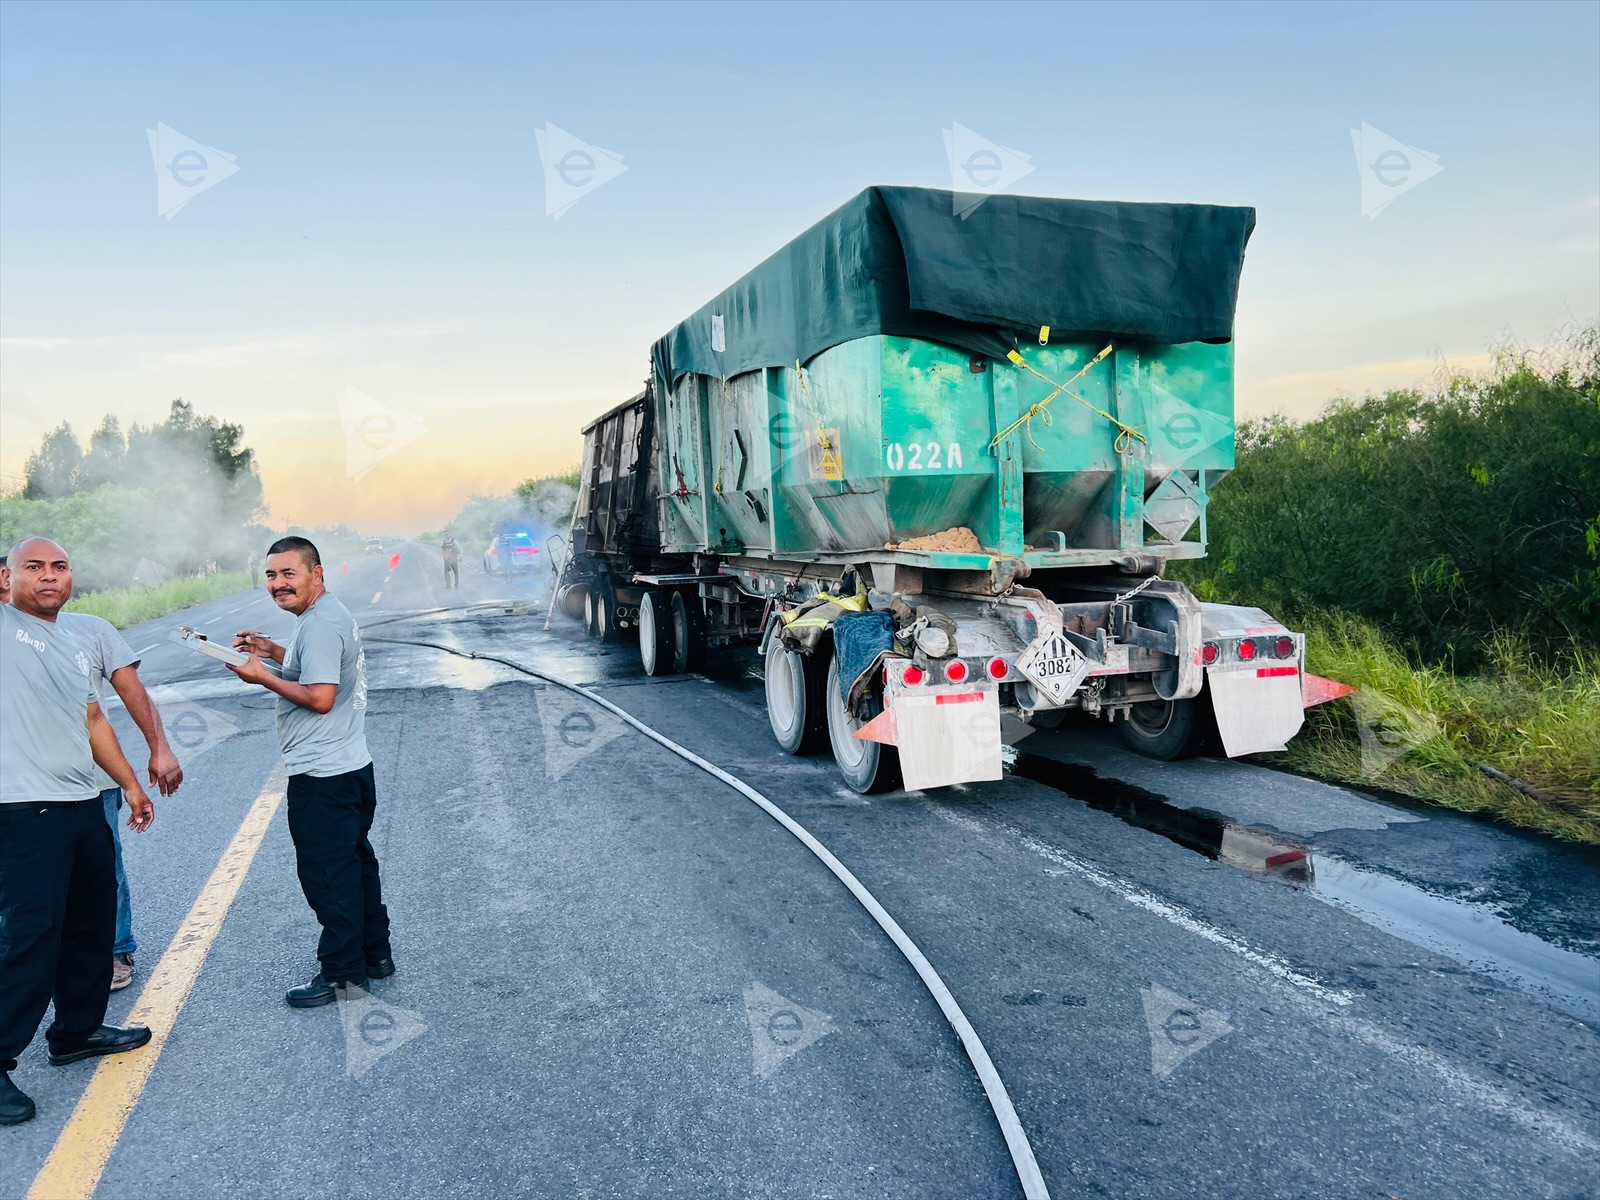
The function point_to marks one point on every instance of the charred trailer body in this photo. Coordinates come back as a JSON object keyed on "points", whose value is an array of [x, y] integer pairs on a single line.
{"points": [[934, 465]]}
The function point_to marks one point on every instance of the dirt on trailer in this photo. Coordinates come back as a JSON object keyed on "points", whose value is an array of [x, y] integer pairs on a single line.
{"points": [[957, 539]]}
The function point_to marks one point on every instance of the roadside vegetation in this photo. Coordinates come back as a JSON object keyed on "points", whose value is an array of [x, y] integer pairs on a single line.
{"points": [[1441, 548], [129, 606]]}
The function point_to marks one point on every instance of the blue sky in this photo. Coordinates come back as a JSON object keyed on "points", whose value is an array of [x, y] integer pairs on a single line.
{"points": [[386, 229]]}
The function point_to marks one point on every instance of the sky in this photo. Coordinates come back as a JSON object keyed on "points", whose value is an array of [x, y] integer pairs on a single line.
{"points": [[378, 254]]}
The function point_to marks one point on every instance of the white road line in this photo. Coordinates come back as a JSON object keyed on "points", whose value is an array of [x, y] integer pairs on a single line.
{"points": [[1165, 909], [147, 649], [375, 596], [1457, 1079]]}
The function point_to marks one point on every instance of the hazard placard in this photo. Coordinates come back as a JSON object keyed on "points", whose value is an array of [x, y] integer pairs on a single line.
{"points": [[1054, 665]]}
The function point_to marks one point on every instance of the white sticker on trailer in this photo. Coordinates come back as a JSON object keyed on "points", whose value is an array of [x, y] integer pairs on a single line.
{"points": [[1054, 664]]}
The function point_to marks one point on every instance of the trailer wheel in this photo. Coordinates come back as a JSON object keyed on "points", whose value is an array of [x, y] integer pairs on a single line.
{"points": [[795, 708], [606, 612], [688, 633], [655, 632], [866, 766], [1168, 729], [591, 610]]}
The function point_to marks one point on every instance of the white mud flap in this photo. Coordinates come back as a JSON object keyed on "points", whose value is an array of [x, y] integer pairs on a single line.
{"points": [[948, 735], [1257, 709]]}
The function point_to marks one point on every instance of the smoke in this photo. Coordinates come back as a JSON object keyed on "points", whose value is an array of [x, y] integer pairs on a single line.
{"points": [[538, 508], [182, 497]]}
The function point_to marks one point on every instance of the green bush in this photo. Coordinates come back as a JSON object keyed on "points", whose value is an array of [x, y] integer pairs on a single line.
{"points": [[1447, 519], [129, 606]]}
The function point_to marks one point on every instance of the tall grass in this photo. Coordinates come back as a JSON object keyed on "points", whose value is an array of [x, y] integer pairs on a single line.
{"points": [[1536, 721], [129, 606]]}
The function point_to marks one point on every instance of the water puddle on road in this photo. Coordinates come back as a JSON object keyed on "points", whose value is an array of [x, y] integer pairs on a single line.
{"points": [[1472, 934]]}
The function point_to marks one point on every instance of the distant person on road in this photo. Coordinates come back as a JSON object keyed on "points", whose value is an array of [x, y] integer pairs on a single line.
{"points": [[320, 679], [255, 572], [57, 863], [112, 661], [451, 549]]}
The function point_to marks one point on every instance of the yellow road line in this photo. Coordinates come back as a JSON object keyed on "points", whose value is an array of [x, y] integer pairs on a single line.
{"points": [[79, 1157]]}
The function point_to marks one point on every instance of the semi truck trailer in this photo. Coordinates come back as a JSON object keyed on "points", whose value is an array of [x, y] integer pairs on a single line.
{"points": [[933, 461]]}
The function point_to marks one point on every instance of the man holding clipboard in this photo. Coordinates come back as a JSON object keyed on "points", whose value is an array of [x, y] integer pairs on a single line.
{"points": [[321, 684]]}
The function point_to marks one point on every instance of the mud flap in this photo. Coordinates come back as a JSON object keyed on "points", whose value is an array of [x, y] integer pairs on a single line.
{"points": [[1256, 710], [947, 735]]}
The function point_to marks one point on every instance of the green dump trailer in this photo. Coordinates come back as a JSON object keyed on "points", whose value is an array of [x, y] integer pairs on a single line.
{"points": [[995, 428]]}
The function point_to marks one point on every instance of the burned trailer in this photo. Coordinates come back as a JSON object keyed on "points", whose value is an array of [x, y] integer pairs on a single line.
{"points": [[934, 460]]}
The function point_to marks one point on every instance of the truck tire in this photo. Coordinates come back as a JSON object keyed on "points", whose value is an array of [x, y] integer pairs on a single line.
{"points": [[866, 766], [606, 612], [1169, 729], [795, 708], [591, 610], [688, 633], [655, 632]]}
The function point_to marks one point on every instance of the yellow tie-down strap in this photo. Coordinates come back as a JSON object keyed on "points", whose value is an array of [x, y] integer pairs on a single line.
{"points": [[1127, 434]]}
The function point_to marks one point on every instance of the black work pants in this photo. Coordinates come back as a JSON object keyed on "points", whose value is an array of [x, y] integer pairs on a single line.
{"points": [[329, 819], [58, 920]]}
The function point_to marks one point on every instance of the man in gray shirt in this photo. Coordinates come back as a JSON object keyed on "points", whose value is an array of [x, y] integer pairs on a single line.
{"points": [[112, 660], [58, 901], [320, 679]]}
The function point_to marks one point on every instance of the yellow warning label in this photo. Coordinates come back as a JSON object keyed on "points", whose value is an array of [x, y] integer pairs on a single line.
{"points": [[826, 460]]}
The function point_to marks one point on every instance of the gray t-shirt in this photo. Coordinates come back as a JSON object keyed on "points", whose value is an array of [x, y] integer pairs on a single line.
{"points": [[325, 648], [45, 693], [108, 652]]}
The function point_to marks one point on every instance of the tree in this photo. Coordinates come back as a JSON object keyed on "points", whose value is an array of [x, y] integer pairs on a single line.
{"points": [[52, 471]]}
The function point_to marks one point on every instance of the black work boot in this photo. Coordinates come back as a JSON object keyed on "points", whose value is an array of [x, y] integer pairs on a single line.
{"points": [[317, 991], [15, 1106], [108, 1039]]}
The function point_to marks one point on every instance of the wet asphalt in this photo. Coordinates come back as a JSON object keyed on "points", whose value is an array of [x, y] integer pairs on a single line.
{"points": [[617, 977]]}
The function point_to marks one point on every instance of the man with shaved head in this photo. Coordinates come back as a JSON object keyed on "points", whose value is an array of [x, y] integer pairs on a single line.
{"points": [[58, 883]]}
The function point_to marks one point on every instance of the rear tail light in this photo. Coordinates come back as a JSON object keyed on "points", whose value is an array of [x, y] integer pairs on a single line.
{"points": [[998, 668], [913, 676], [1283, 647], [1247, 650], [1209, 653], [955, 671]]}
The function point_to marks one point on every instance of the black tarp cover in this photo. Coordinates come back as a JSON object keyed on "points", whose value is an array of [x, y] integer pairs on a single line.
{"points": [[899, 261]]}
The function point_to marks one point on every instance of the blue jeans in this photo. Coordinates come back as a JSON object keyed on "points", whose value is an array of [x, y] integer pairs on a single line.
{"points": [[112, 799]]}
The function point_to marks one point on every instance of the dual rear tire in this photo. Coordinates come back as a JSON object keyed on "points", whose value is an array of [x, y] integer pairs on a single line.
{"points": [[805, 707], [672, 632]]}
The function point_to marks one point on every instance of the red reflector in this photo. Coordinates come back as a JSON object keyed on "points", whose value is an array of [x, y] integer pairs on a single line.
{"points": [[1209, 653], [913, 676], [955, 671], [1247, 650], [1283, 647], [1277, 860], [998, 668], [958, 698], [1271, 672]]}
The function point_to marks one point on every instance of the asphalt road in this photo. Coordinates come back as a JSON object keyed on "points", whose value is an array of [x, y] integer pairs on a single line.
{"points": [[618, 977]]}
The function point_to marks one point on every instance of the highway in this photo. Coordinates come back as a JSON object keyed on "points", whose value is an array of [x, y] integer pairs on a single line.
{"points": [[618, 977]]}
